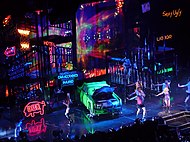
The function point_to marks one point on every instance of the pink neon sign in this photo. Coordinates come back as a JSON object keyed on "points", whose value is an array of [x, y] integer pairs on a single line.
{"points": [[10, 51], [35, 128], [33, 108]]}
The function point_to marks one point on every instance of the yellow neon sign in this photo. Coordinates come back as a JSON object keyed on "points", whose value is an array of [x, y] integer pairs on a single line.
{"points": [[164, 37], [174, 13]]}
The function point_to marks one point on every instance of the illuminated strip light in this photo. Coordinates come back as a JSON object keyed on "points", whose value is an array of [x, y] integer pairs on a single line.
{"points": [[181, 112], [185, 128], [184, 124], [66, 45], [177, 118]]}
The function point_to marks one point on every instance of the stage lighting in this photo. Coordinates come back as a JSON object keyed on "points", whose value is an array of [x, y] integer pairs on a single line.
{"points": [[6, 20]]}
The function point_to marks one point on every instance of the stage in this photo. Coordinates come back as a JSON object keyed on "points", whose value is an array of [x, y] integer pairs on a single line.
{"points": [[54, 124]]}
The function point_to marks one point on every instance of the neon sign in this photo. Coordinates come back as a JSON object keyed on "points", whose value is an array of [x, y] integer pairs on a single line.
{"points": [[68, 77], [165, 70], [164, 37], [36, 128], [174, 13], [10, 51], [49, 43], [51, 54], [33, 108]]}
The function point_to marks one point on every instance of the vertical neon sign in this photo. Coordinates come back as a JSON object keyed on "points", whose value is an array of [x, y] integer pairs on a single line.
{"points": [[51, 54]]}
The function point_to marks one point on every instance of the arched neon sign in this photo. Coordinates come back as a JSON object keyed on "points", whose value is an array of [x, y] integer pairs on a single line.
{"points": [[33, 108]]}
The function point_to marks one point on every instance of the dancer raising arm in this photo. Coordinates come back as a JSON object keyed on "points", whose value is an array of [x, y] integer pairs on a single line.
{"points": [[187, 91], [140, 95]]}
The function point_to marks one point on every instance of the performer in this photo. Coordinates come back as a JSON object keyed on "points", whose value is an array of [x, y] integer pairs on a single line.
{"points": [[165, 84], [166, 98], [187, 91], [67, 101], [140, 95]]}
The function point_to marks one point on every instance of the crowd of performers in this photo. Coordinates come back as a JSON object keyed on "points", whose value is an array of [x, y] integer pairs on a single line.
{"points": [[139, 95]]}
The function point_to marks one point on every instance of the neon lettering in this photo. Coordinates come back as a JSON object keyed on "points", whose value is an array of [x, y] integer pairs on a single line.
{"points": [[164, 37], [68, 81], [174, 13], [165, 70], [50, 54]]}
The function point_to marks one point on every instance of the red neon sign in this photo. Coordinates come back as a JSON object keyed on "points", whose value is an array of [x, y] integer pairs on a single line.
{"points": [[33, 108], [36, 128]]}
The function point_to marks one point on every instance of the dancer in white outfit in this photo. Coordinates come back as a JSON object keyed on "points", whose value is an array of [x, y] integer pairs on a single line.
{"points": [[166, 98], [67, 103]]}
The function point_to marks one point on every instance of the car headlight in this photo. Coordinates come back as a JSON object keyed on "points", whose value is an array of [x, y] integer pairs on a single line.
{"points": [[98, 106]]}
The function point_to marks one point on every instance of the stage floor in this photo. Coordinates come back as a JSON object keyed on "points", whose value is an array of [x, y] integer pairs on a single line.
{"points": [[53, 125]]}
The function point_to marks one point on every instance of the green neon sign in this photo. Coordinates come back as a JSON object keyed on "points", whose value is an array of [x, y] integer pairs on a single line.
{"points": [[165, 70]]}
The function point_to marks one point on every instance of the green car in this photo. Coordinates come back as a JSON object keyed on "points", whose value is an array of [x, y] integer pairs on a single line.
{"points": [[99, 98]]}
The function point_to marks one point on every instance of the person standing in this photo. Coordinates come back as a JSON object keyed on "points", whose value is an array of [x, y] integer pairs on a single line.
{"points": [[187, 91], [67, 101], [140, 95], [165, 84], [166, 98]]}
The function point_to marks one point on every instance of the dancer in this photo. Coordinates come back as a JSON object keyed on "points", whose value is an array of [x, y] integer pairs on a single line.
{"points": [[140, 95], [166, 98], [187, 91], [67, 101], [165, 84]]}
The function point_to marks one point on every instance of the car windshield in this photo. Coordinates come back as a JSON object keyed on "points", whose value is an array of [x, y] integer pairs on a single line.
{"points": [[103, 96]]}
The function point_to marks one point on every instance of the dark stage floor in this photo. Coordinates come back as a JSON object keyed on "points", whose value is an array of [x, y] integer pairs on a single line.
{"points": [[48, 127]]}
